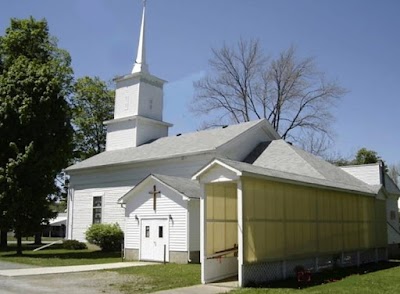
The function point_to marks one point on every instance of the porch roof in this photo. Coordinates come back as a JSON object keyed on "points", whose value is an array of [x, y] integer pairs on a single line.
{"points": [[246, 169]]}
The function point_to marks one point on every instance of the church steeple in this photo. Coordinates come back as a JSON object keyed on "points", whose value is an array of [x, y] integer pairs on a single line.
{"points": [[138, 111], [140, 62]]}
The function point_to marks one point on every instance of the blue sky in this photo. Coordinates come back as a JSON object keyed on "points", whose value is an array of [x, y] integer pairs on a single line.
{"points": [[355, 42]]}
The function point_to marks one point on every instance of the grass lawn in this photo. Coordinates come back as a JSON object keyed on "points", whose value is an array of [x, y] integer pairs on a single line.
{"points": [[364, 281], [56, 256], [159, 277]]}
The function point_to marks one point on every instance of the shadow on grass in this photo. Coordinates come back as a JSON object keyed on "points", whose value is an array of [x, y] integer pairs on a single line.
{"points": [[328, 276], [30, 247], [56, 251]]}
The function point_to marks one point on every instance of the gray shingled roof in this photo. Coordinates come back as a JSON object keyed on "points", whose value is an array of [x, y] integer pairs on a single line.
{"points": [[184, 186], [246, 168], [166, 147], [282, 156]]}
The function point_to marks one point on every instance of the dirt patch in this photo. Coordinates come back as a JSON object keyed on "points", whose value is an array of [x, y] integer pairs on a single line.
{"points": [[85, 282]]}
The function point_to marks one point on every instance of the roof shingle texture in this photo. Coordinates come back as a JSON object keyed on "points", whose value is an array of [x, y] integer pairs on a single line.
{"points": [[166, 147], [185, 186]]}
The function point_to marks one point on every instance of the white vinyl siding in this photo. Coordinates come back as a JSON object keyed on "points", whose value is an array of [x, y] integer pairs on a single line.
{"points": [[82, 218], [168, 204], [369, 173]]}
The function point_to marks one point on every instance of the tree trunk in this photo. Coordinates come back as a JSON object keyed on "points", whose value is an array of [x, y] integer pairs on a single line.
{"points": [[3, 239], [38, 238], [19, 243]]}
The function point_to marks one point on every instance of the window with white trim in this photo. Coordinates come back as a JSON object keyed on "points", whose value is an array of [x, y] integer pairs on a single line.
{"points": [[97, 207]]}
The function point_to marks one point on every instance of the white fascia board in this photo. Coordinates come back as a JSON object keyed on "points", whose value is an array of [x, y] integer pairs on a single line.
{"points": [[213, 163], [129, 194]]}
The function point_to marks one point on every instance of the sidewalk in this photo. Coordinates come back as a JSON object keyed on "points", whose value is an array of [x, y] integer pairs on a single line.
{"points": [[213, 288], [68, 269]]}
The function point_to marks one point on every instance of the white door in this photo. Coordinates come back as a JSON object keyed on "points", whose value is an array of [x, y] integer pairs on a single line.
{"points": [[154, 240]]}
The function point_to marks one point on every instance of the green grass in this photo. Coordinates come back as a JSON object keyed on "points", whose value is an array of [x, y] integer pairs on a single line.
{"points": [[361, 281], [160, 277], [56, 256]]}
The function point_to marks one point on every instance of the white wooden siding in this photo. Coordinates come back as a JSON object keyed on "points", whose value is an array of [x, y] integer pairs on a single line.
{"points": [[194, 224], [114, 177], [369, 174], [121, 135], [115, 183], [168, 203], [126, 98], [83, 209], [147, 131]]}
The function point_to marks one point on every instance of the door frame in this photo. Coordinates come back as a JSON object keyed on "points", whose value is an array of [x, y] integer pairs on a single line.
{"points": [[155, 217]]}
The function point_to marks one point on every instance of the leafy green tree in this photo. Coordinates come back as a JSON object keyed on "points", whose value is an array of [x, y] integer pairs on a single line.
{"points": [[35, 80], [92, 104], [365, 156]]}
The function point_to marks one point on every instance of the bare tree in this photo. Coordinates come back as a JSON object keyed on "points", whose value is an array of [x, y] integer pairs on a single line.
{"points": [[290, 92]]}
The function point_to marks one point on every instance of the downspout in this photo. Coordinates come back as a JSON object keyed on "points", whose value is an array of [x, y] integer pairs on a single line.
{"points": [[188, 231], [70, 210]]}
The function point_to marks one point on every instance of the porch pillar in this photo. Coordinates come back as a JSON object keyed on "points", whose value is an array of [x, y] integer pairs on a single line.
{"points": [[203, 231], [240, 232]]}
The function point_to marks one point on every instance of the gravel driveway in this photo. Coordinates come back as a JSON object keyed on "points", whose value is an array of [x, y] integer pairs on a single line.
{"points": [[84, 282]]}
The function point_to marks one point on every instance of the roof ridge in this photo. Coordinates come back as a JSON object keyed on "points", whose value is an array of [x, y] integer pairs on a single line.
{"points": [[296, 149]]}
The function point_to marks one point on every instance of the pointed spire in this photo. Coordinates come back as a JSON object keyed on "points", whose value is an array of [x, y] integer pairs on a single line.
{"points": [[140, 63]]}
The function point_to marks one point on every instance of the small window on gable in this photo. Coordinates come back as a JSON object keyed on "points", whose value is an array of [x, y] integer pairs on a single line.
{"points": [[97, 207]]}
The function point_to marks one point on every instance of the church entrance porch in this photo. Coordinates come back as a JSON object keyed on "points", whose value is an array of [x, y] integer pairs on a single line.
{"points": [[154, 237]]}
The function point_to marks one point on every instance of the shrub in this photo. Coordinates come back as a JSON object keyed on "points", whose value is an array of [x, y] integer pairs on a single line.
{"points": [[73, 245], [107, 236]]}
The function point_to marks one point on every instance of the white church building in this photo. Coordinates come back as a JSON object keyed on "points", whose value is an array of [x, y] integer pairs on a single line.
{"points": [[114, 186], [143, 180]]}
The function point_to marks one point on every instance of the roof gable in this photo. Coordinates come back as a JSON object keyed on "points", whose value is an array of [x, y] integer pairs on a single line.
{"points": [[184, 187]]}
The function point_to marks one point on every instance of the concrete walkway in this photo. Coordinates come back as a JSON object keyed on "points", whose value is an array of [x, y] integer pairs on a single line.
{"points": [[214, 288], [68, 269]]}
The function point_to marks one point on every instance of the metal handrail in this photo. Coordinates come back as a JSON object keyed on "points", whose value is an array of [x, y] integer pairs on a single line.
{"points": [[223, 252]]}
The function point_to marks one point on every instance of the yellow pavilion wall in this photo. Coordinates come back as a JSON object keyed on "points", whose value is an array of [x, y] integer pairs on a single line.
{"points": [[285, 221], [221, 217]]}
